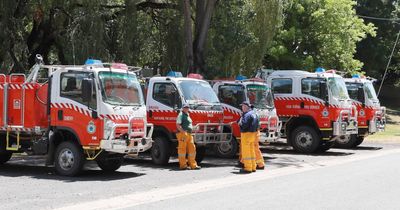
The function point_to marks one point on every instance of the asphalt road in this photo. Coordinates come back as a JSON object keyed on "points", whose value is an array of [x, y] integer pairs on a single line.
{"points": [[362, 178]]}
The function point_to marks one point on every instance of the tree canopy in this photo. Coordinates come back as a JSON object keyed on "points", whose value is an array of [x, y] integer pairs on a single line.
{"points": [[212, 37]]}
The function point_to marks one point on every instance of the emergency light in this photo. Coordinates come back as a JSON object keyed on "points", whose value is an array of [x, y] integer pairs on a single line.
{"points": [[122, 66], [195, 76], [319, 70], [240, 77], [93, 62], [174, 74], [356, 76]]}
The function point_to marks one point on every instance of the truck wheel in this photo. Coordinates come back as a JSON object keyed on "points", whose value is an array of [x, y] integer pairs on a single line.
{"points": [[305, 139], [110, 164], [346, 142], [200, 153], [359, 140], [228, 149], [325, 146], [69, 159], [160, 151], [4, 157]]}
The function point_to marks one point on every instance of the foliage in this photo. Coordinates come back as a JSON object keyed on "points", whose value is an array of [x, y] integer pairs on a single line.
{"points": [[243, 34], [319, 33]]}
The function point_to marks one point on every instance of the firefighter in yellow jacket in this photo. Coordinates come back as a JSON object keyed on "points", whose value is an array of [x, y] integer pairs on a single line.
{"points": [[186, 145]]}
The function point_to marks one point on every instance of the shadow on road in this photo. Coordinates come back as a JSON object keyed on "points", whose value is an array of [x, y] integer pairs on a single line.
{"points": [[283, 149], [36, 169], [365, 148]]}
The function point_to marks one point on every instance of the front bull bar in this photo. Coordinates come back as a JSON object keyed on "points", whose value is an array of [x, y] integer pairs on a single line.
{"points": [[133, 145], [205, 137]]}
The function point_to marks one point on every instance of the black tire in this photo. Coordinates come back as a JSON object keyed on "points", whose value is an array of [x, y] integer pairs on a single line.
{"points": [[68, 159], [160, 151], [359, 140], [325, 146], [347, 142], [200, 153], [4, 157], [305, 139], [227, 150], [110, 164]]}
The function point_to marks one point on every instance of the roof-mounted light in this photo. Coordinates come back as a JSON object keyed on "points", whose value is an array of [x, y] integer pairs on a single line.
{"points": [[195, 76], [93, 62], [355, 76], [174, 74], [122, 66], [333, 71], [319, 70], [240, 77]]}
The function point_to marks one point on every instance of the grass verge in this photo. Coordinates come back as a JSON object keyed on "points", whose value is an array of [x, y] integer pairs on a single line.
{"points": [[392, 131]]}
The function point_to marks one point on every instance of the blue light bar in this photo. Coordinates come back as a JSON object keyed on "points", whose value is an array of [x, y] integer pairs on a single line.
{"points": [[356, 76], [241, 77], [319, 70], [93, 62], [174, 74]]}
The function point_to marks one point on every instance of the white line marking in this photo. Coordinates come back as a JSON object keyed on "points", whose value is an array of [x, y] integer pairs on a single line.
{"points": [[140, 198]]}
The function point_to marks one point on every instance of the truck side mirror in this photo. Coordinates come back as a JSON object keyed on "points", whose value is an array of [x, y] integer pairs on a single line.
{"points": [[87, 90], [361, 96], [324, 92]]}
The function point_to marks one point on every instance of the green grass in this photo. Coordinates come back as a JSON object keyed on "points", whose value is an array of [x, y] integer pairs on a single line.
{"points": [[392, 131]]}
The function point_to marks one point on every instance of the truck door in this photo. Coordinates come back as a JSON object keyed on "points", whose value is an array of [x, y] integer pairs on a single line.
{"points": [[164, 105]]}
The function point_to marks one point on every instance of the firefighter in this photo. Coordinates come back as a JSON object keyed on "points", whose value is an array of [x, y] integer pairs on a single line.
{"points": [[186, 145], [248, 134], [259, 157]]}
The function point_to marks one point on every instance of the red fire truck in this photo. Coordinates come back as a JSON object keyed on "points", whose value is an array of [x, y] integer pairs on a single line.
{"points": [[165, 96], [315, 108], [371, 115], [233, 92], [72, 114]]}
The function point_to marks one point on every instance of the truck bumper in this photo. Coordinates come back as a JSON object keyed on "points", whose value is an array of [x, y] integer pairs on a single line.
{"points": [[130, 147], [345, 128]]}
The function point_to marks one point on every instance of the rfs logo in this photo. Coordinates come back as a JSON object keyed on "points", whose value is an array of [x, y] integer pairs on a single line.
{"points": [[325, 113]]}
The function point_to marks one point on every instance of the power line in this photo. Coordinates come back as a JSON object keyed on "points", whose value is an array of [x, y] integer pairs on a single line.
{"points": [[390, 59], [379, 18]]}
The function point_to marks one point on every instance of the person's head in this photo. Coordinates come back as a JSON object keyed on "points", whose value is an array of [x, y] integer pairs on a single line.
{"points": [[185, 108], [245, 106]]}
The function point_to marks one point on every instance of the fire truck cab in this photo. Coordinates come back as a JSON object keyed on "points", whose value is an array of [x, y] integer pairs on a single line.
{"points": [[371, 115], [315, 108], [72, 114], [165, 96], [232, 93]]}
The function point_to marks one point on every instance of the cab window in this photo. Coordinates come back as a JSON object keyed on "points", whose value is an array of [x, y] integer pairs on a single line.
{"points": [[71, 88], [167, 94], [282, 86]]}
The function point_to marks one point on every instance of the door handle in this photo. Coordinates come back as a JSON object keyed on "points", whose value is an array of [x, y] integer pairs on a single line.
{"points": [[302, 104]]}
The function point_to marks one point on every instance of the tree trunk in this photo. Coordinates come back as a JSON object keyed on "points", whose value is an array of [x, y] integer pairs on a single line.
{"points": [[188, 35], [201, 35]]}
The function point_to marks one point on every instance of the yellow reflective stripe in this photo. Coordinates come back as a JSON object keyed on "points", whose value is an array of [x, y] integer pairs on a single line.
{"points": [[325, 129], [181, 155], [248, 159], [362, 126], [190, 155]]}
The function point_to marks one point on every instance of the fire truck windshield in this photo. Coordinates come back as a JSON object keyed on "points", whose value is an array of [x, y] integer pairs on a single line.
{"points": [[369, 89], [198, 93], [120, 89], [338, 88], [260, 96], [352, 88]]}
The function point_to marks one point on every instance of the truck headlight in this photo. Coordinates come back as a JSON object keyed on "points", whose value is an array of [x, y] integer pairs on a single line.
{"points": [[108, 127]]}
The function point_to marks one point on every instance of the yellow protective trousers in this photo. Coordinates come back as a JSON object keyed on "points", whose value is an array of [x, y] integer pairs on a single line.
{"points": [[248, 153], [259, 156], [186, 147]]}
